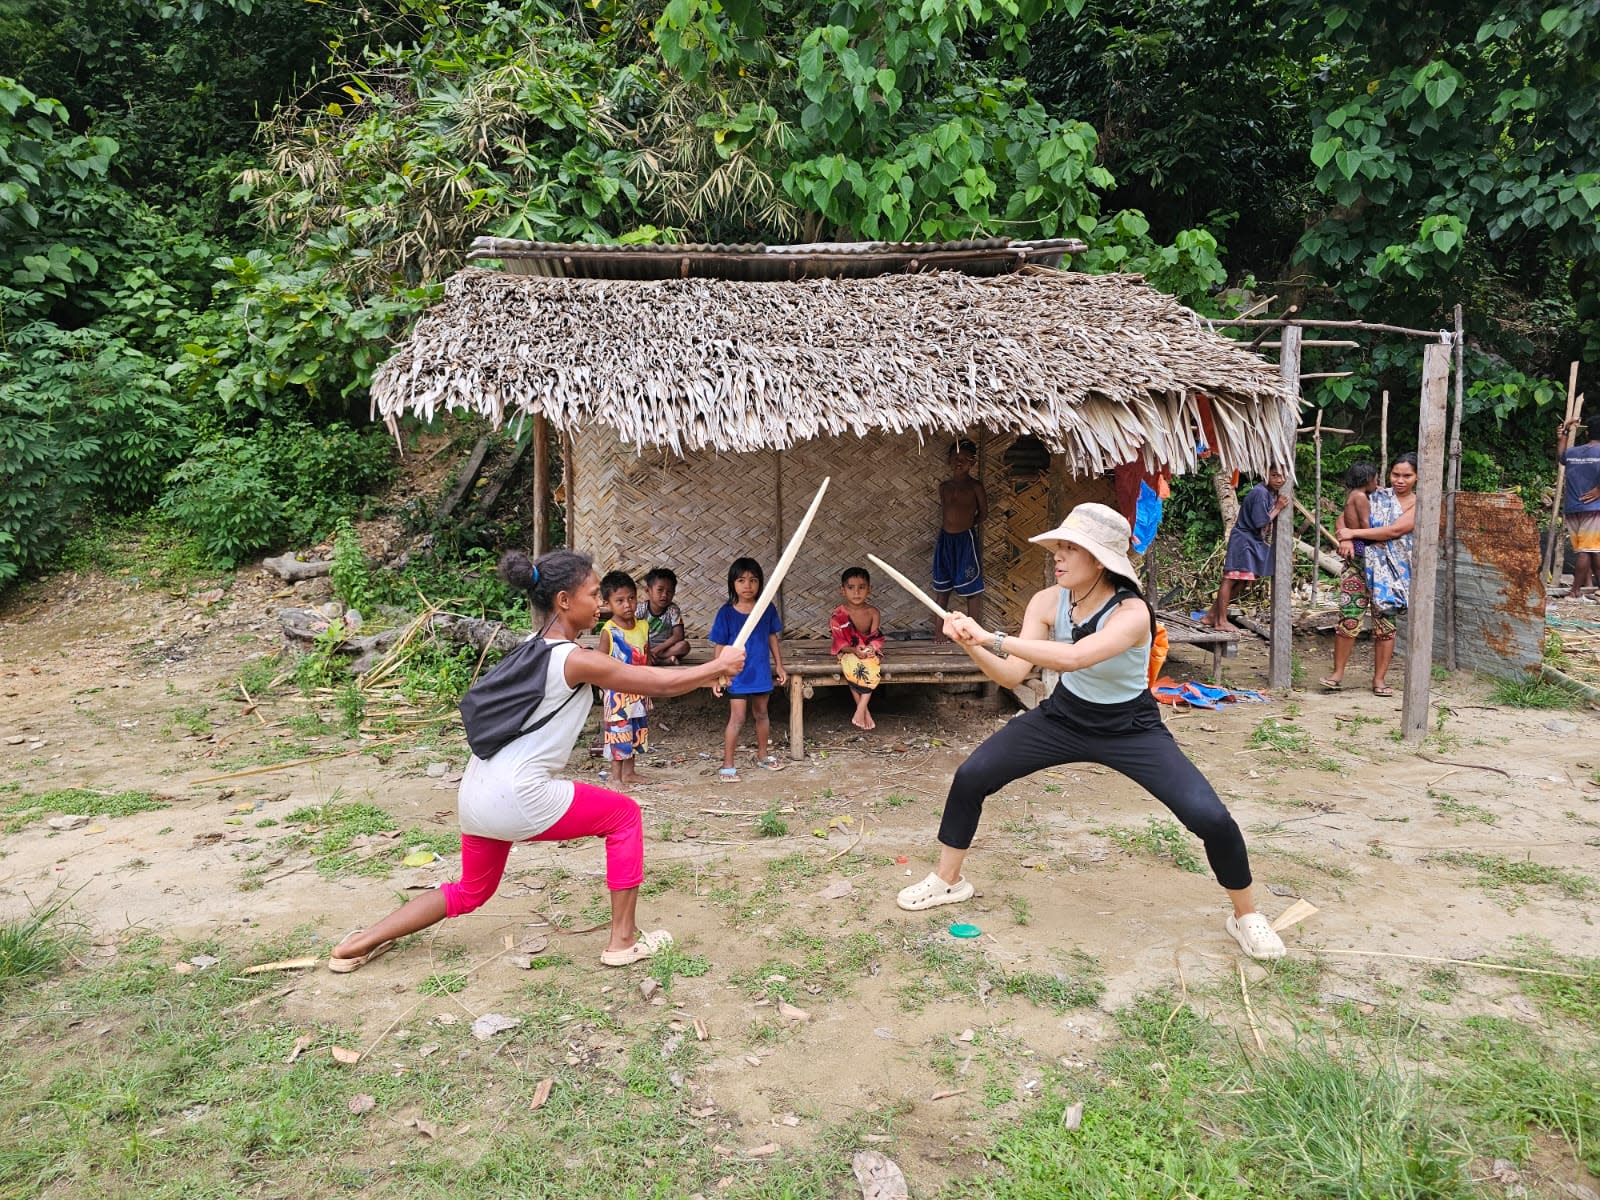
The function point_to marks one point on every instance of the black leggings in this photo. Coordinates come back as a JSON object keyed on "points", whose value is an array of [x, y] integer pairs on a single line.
{"points": [[1130, 739]]}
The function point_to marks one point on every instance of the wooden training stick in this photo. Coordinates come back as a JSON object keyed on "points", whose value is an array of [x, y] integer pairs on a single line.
{"points": [[775, 580], [909, 586]]}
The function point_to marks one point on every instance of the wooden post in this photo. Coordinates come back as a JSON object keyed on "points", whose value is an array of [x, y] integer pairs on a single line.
{"points": [[1551, 570], [1425, 540], [569, 476], [1451, 487], [541, 486], [1316, 506], [1280, 660], [1383, 443]]}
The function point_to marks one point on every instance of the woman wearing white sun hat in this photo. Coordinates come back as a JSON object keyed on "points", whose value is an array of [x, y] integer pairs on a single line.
{"points": [[1096, 629]]}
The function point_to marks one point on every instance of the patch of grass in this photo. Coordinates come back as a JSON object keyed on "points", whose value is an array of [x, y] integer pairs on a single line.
{"points": [[443, 983], [1141, 1133], [24, 807], [1161, 838], [1326, 1123], [1311, 862], [1511, 1086], [1440, 984], [1531, 693], [896, 799], [1275, 734], [769, 824], [1558, 995], [1496, 873], [670, 962], [32, 947], [1021, 913], [1447, 805], [193, 719], [1078, 988], [1296, 980]]}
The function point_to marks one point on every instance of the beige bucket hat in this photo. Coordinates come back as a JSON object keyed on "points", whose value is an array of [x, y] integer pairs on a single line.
{"points": [[1099, 529]]}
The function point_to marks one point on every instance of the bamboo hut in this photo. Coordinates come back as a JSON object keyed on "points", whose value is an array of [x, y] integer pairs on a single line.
{"points": [[701, 393]]}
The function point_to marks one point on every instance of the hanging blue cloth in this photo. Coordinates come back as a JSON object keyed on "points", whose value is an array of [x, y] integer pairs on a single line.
{"points": [[1147, 518]]}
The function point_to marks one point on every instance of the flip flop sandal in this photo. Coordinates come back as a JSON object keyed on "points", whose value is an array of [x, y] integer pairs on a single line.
{"points": [[1256, 937], [1332, 685], [728, 775], [648, 944], [769, 763], [343, 966], [1383, 691], [932, 892]]}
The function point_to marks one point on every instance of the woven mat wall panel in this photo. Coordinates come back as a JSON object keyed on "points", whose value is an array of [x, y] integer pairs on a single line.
{"points": [[884, 500], [695, 514]]}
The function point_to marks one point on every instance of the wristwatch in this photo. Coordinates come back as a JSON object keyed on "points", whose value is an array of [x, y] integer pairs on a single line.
{"points": [[999, 639]]}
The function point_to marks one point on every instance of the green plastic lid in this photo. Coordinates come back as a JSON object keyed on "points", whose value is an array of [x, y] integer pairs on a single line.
{"points": [[965, 931]]}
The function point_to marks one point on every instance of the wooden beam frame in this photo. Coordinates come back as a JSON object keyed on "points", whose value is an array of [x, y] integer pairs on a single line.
{"points": [[1425, 540], [1280, 659]]}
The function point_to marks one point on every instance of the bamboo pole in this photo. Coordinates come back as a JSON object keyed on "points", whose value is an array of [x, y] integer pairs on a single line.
{"points": [[1551, 570], [1316, 500], [568, 482], [1425, 540], [1451, 487], [1383, 443], [541, 485], [1280, 660], [1306, 323]]}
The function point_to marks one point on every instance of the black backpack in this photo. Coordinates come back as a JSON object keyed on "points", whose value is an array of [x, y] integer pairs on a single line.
{"points": [[496, 708]]}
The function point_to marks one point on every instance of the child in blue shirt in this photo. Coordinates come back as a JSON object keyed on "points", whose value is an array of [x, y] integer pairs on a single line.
{"points": [[751, 688]]}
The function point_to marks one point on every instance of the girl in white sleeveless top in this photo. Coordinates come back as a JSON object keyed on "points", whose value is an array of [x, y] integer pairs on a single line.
{"points": [[518, 794]]}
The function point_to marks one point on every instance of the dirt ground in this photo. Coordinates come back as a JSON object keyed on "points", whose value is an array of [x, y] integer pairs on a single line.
{"points": [[111, 683]]}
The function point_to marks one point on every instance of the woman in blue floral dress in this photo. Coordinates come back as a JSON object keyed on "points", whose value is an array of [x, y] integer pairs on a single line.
{"points": [[1393, 512]]}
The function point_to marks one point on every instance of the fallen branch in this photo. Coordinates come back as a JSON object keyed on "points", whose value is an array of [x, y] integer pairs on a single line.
{"points": [[1450, 762], [292, 570]]}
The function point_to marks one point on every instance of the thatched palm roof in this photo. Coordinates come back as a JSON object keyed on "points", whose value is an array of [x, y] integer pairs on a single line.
{"points": [[1101, 367]]}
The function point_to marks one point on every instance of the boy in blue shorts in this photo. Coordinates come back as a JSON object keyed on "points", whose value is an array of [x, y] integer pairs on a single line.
{"points": [[958, 554]]}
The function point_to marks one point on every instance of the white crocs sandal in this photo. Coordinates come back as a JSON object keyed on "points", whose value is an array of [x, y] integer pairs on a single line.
{"points": [[932, 892], [648, 944], [1256, 937]]}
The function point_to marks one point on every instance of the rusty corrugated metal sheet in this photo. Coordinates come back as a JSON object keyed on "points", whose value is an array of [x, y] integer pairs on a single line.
{"points": [[1500, 598]]}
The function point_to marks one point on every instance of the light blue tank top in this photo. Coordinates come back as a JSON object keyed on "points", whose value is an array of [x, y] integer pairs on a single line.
{"points": [[1117, 680]]}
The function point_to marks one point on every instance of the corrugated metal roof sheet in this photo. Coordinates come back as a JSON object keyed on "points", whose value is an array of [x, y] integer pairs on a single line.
{"points": [[755, 262]]}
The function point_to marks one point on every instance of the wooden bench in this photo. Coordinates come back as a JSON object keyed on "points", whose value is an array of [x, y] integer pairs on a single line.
{"points": [[1182, 630], [811, 666]]}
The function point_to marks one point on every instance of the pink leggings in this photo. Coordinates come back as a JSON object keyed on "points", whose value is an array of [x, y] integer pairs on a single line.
{"points": [[594, 812]]}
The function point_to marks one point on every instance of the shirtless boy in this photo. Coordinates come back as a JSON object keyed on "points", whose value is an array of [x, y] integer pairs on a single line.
{"points": [[958, 554]]}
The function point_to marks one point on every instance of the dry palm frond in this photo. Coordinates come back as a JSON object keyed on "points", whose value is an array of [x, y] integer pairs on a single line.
{"points": [[1102, 368]]}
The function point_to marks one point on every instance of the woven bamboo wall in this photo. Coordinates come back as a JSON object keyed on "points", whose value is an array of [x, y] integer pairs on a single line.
{"points": [[697, 514]]}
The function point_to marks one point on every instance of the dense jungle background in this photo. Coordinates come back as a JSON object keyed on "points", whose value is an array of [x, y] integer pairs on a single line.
{"points": [[217, 215]]}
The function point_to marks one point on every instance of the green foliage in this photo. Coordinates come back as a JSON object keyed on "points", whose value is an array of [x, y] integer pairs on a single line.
{"points": [[351, 577], [288, 341], [770, 824], [88, 421], [48, 178], [1451, 139], [240, 494]]}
